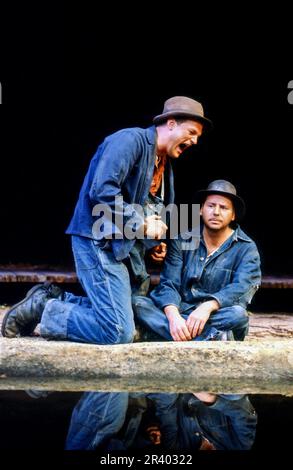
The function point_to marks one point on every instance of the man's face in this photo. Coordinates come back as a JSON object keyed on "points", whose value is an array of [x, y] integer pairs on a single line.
{"points": [[182, 135], [217, 212]]}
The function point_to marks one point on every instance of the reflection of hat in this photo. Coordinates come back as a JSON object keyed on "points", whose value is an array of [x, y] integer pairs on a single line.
{"points": [[184, 107], [224, 188]]}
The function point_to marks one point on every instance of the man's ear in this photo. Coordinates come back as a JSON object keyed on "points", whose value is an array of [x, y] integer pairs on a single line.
{"points": [[171, 123]]}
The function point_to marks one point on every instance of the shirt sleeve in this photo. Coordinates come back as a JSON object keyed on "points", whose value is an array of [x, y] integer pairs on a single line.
{"points": [[242, 420], [246, 280], [119, 155]]}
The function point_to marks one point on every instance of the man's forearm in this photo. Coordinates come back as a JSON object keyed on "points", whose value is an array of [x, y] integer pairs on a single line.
{"points": [[211, 306], [171, 311]]}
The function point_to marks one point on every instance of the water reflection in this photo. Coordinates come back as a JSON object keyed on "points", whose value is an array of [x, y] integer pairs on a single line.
{"points": [[44, 424], [173, 422]]}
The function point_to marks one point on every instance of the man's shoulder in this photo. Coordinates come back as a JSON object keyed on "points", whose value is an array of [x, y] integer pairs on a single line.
{"points": [[244, 242], [134, 133], [240, 235]]}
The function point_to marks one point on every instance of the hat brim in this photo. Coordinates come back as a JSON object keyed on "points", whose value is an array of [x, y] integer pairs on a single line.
{"points": [[207, 123], [239, 204]]}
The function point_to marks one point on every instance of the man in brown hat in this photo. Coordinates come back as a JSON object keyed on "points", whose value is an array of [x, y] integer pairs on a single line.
{"points": [[205, 289], [131, 167]]}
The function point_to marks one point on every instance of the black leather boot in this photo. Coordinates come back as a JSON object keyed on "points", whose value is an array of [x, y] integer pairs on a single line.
{"points": [[24, 316]]}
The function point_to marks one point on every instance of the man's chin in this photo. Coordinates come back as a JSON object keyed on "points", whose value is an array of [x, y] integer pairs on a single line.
{"points": [[214, 227], [174, 155]]}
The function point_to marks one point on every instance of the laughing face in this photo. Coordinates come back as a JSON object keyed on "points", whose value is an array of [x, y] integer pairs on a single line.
{"points": [[182, 135]]}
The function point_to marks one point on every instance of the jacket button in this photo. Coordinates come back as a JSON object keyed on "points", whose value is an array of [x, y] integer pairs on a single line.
{"points": [[201, 258]]}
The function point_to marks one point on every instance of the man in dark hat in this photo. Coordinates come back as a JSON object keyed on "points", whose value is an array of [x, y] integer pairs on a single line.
{"points": [[204, 291], [130, 167]]}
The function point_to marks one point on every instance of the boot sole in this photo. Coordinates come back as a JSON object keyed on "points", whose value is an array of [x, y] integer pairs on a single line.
{"points": [[31, 292]]}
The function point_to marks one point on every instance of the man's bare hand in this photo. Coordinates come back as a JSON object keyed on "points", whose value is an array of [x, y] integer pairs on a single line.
{"points": [[196, 322], [198, 318], [154, 227], [154, 434], [177, 324], [206, 445], [158, 253], [179, 330], [206, 397]]}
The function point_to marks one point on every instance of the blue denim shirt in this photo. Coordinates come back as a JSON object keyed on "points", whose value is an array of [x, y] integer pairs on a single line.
{"points": [[231, 275], [229, 424], [123, 165]]}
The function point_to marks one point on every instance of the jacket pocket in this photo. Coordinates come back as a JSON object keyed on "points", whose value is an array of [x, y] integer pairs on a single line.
{"points": [[217, 278]]}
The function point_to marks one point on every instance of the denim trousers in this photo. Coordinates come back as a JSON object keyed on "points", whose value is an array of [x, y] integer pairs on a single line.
{"points": [[229, 318], [105, 315], [98, 417]]}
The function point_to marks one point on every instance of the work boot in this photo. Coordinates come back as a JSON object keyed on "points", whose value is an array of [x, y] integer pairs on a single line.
{"points": [[24, 316]]}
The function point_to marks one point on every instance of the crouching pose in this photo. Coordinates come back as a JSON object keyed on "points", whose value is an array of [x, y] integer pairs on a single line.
{"points": [[205, 288]]}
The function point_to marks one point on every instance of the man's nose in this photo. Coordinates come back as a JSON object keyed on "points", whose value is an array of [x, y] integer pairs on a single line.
{"points": [[194, 140], [216, 209]]}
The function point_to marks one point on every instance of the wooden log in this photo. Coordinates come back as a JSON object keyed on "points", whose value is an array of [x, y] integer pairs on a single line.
{"points": [[37, 274], [277, 282], [219, 367], [23, 374], [268, 326]]}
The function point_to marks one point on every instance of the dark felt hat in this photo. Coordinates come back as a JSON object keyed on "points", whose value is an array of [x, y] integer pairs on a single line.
{"points": [[224, 188]]}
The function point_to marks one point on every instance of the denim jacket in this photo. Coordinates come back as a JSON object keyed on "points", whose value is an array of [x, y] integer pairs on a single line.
{"points": [[123, 165], [231, 275], [228, 424]]}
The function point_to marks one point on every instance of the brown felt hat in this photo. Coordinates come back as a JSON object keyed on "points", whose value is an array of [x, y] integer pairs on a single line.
{"points": [[182, 106]]}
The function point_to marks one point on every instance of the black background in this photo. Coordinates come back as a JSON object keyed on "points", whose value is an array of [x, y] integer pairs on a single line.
{"points": [[72, 75]]}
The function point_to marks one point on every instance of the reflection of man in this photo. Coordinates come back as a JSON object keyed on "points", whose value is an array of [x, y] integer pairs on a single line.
{"points": [[129, 167], [121, 421], [115, 421], [206, 421], [205, 291]]}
